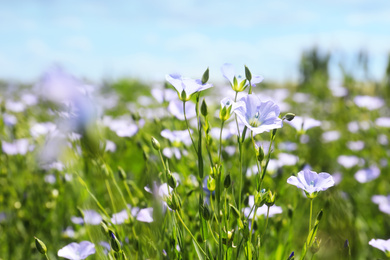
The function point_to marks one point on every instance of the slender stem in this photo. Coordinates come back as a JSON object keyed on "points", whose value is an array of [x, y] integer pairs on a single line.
{"points": [[165, 169], [184, 225], [253, 223], [110, 194], [250, 212], [259, 180], [220, 141], [311, 211], [266, 223], [47, 257], [212, 233], [188, 126]]}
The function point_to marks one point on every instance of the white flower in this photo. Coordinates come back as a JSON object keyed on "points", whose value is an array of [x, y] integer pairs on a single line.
{"points": [[383, 202], [303, 123], [368, 174], [311, 182], [273, 210], [383, 245], [185, 87], [371, 103], [175, 107], [75, 251]]}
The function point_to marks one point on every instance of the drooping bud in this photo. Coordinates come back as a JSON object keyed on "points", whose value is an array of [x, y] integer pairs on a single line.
{"points": [[291, 257], [41, 247], [227, 181], [205, 76], [289, 116], [155, 144], [203, 108], [114, 242]]}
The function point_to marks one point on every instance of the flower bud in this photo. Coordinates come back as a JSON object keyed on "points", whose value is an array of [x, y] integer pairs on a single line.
{"points": [[104, 227], [171, 181], [248, 74], [223, 113], [289, 116], [122, 173], [114, 242], [206, 212], [291, 257], [227, 181], [155, 144], [176, 201], [203, 108], [260, 198], [205, 76], [40, 246], [260, 154], [270, 201], [183, 96]]}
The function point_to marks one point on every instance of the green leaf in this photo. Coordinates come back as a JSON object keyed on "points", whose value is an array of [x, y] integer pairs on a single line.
{"points": [[198, 252]]}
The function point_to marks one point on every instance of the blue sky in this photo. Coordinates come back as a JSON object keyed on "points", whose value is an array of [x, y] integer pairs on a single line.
{"points": [[150, 38]]}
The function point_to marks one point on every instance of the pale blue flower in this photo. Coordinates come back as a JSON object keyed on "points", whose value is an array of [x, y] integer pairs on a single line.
{"points": [[175, 107], [369, 102], [75, 251], [311, 182], [303, 123], [186, 86], [367, 174], [259, 116], [383, 202], [383, 245], [273, 210], [177, 136], [91, 217]]}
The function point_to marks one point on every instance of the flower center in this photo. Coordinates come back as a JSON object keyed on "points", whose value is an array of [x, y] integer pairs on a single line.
{"points": [[312, 183], [228, 103], [255, 120]]}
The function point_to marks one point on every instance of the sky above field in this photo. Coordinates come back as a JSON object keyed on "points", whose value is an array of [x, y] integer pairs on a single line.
{"points": [[150, 38]]}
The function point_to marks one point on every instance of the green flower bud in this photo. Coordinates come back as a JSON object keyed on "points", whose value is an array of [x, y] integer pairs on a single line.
{"points": [[260, 198], [122, 173], [203, 108], [105, 229], [206, 212], [223, 113], [40, 246], [227, 181], [270, 201], [205, 76], [260, 154], [176, 202], [171, 181], [211, 184], [248, 74], [289, 116], [155, 144], [114, 242], [183, 96]]}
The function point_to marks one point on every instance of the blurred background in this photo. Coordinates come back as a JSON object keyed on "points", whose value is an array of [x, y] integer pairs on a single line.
{"points": [[148, 39]]}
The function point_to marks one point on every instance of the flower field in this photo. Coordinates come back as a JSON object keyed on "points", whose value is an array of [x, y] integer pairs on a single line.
{"points": [[192, 169]]}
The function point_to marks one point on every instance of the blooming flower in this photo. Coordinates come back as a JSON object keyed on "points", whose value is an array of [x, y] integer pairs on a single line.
{"points": [[185, 87], [177, 136], [75, 251], [383, 245], [367, 174], [303, 123], [348, 161], [259, 116], [19, 146], [91, 217], [383, 202], [227, 108], [383, 121], [311, 182], [227, 70], [371, 103]]}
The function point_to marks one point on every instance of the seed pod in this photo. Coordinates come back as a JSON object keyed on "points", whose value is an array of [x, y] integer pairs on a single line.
{"points": [[227, 181], [248, 74], [205, 76], [203, 108]]}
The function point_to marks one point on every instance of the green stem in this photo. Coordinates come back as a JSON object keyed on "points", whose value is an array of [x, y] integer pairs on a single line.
{"points": [[259, 180], [184, 225], [311, 211], [110, 194], [253, 223], [266, 223], [212, 233], [220, 141], [47, 257], [188, 126]]}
